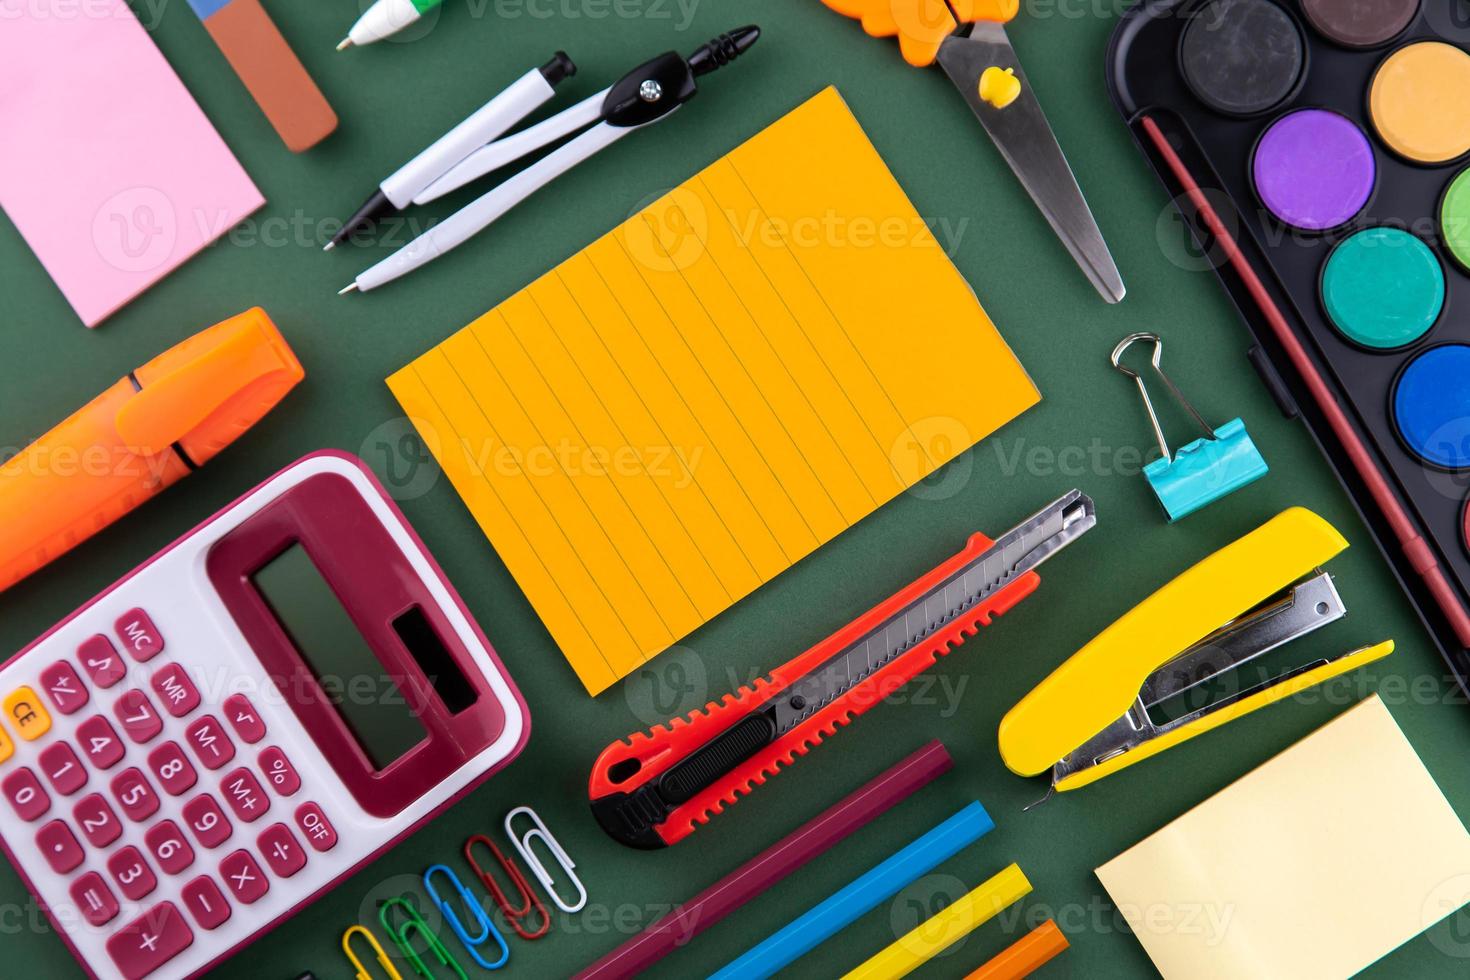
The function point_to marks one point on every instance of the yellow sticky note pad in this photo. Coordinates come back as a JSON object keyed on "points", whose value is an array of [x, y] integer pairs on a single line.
{"points": [[705, 395], [1314, 866]]}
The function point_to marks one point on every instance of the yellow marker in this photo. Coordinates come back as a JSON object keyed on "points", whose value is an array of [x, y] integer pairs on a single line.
{"points": [[936, 934], [26, 712], [999, 86], [7, 747]]}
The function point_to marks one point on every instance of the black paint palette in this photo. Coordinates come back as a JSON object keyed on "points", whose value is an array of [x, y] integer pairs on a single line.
{"points": [[1320, 152]]}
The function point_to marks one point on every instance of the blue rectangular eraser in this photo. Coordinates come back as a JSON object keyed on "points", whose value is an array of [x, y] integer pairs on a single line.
{"points": [[1206, 470]]}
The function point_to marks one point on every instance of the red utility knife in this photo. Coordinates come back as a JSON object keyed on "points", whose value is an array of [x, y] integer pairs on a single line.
{"points": [[653, 789]]}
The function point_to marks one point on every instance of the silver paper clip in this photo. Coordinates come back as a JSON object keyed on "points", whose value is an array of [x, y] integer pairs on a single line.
{"points": [[522, 843], [472, 944]]}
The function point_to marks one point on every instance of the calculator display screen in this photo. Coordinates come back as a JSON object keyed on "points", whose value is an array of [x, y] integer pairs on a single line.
{"points": [[345, 666]]}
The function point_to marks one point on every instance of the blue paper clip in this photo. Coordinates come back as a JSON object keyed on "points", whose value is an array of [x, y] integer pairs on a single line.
{"points": [[1221, 462], [487, 928], [402, 937]]}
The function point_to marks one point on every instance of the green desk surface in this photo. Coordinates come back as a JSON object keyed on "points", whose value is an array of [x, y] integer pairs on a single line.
{"points": [[1089, 432]]}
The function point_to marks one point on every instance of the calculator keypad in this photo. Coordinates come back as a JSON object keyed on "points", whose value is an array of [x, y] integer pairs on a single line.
{"points": [[27, 796], [59, 846], [129, 869], [65, 689], [149, 941], [100, 660], [24, 710], [135, 797], [244, 878], [98, 821], [210, 743], [66, 773], [279, 772], [175, 691], [244, 795], [94, 899], [139, 719], [174, 771], [139, 636], [169, 848], [244, 719], [154, 744], [207, 821], [205, 902], [99, 742]]}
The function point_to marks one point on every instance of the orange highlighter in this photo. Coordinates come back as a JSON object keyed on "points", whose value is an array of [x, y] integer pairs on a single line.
{"points": [[145, 433]]}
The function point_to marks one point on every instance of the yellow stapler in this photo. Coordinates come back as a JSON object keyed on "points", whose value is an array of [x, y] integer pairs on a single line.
{"points": [[1098, 712]]}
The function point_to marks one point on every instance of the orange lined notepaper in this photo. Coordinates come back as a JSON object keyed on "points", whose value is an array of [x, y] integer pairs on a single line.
{"points": [[705, 395]]}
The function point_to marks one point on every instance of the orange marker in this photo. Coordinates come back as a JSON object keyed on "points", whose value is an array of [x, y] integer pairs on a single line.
{"points": [[1026, 955], [145, 433]]}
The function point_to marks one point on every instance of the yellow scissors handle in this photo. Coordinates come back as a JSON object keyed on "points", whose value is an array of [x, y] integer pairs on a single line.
{"points": [[922, 25]]}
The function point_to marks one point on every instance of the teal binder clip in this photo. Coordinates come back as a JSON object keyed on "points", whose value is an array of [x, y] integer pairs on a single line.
{"points": [[1220, 462]]}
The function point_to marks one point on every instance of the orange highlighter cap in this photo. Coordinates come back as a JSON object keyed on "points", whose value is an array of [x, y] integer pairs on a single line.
{"points": [[204, 393]]}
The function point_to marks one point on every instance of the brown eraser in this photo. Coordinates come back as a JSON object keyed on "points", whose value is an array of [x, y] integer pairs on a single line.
{"points": [[271, 71]]}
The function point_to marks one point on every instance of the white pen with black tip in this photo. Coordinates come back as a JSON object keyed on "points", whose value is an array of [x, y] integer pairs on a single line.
{"points": [[484, 126], [648, 94]]}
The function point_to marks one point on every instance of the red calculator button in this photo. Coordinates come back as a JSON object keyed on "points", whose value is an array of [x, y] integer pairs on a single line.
{"points": [[279, 772], [139, 636], [132, 792], [315, 827], [244, 718], [26, 794], [207, 821], [209, 742], [174, 771], [279, 848], [166, 842], [99, 824], [100, 743], [100, 660], [243, 877], [243, 793], [147, 943], [94, 899], [62, 768], [64, 687], [139, 719], [176, 690], [131, 872], [205, 902], [59, 846]]}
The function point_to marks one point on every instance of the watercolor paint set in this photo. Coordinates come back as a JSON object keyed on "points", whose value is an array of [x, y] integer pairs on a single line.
{"points": [[1317, 150]]}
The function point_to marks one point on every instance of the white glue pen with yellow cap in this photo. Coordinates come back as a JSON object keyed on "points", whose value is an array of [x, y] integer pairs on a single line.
{"points": [[145, 433]]}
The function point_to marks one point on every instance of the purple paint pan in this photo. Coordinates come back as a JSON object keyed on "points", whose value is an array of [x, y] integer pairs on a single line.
{"points": [[1313, 169]]}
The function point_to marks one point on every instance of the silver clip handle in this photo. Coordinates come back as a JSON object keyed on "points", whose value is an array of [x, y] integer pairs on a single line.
{"points": [[1155, 361]]}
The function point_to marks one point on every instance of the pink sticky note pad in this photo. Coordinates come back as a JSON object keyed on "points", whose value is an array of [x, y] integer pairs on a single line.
{"points": [[107, 164]]}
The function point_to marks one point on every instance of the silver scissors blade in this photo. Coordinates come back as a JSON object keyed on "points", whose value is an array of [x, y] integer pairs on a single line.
{"points": [[1024, 137]]}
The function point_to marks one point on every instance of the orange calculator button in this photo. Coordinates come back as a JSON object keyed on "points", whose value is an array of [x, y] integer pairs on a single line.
{"points": [[24, 711], [7, 747]]}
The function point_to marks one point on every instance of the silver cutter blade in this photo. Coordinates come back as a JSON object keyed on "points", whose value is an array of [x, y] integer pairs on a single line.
{"points": [[1014, 553]]}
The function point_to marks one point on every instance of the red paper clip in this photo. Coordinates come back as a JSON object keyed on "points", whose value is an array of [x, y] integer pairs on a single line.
{"points": [[515, 915]]}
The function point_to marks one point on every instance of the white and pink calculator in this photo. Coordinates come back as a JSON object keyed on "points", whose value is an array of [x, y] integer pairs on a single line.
{"points": [[245, 719]]}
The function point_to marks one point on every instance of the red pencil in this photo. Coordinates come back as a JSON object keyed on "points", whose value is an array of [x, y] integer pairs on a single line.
{"points": [[773, 864]]}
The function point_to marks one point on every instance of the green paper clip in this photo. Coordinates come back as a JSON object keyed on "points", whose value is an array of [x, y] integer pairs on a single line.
{"points": [[402, 938]]}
